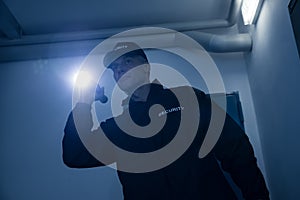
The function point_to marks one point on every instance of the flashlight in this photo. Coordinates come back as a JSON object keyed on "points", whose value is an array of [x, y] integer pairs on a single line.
{"points": [[99, 95], [83, 80]]}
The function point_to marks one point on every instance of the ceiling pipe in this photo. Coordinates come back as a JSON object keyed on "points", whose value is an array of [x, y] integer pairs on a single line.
{"points": [[210, 42], [222, 43]]}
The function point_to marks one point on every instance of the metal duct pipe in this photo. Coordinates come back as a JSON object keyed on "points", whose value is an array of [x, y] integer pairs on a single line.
{"points": [[222, 43], [210, 42]]}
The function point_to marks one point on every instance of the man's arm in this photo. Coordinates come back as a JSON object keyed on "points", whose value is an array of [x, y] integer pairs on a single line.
{"points": [[75, 154], [237, 157]]}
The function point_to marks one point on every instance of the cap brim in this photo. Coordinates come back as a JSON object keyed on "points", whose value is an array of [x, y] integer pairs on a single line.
{"points": [[123, 49]]}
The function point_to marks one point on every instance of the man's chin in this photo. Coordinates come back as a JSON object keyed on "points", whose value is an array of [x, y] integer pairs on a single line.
{"points": [[125, 87]]}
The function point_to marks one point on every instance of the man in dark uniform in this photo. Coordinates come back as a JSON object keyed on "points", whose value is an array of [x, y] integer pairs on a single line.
{"points": [[188, 177]]}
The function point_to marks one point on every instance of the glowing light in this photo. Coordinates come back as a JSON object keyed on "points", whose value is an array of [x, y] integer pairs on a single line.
{"points": [[250, 10], [82, 79]]}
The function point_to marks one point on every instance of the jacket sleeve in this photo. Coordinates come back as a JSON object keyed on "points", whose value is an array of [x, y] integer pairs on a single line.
{"points": [[236, 155], [75, 154]]}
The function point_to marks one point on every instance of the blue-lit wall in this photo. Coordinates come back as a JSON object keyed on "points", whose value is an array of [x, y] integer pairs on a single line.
{"points": [[36, 98], [274, 71], [35, 101]]}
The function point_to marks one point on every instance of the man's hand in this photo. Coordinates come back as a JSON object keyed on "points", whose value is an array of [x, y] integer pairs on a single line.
{"points": [[89, 94], [85, 94]]}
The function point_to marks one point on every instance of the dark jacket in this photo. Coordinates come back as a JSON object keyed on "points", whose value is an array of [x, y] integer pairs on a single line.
{"points": [[189, 177]]}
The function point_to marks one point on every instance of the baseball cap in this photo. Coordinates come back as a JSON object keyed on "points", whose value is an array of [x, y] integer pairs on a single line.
{"points": [[121, 49]]}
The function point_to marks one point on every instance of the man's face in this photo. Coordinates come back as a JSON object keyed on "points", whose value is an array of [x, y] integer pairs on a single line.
{"points": [[130, 72]]}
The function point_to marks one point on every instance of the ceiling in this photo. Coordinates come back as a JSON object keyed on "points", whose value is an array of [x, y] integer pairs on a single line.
{"points": [[33, 22]]}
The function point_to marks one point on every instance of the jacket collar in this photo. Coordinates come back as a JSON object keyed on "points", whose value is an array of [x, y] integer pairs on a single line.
{"points": [[155, 86]]}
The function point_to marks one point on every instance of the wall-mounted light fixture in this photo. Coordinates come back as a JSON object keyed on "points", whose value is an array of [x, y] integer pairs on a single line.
{"points": [[250, 10]]}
